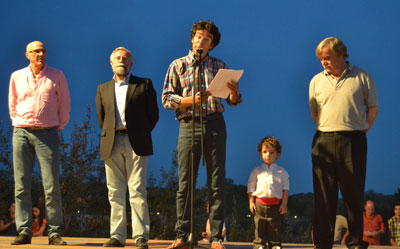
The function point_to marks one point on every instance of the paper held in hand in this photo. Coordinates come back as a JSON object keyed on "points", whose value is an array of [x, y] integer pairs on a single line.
{"points": [[218, 87]]}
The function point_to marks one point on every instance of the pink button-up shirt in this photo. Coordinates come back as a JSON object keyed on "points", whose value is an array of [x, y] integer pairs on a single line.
{"points": [[44, 102]]}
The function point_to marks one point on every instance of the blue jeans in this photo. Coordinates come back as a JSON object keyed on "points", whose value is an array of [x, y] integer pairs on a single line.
{"points": [[44, 144], [214, 154]]}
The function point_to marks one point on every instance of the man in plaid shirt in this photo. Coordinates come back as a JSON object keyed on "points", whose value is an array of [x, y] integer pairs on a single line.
{"points": [[178, 96], [394, 226]]}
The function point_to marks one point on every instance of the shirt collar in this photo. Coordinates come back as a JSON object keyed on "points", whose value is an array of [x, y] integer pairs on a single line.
{"points": [[124, 82], [272, 166], [349, 68], [40, 73]]}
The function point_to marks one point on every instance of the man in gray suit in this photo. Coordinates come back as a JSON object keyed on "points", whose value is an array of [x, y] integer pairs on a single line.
{"points": [[127, 112]]}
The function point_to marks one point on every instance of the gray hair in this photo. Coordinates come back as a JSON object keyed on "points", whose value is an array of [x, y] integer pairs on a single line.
{"points": [[128, 52]]}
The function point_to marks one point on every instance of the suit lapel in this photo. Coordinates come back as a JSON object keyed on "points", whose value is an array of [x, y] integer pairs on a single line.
{"points": [[131, 90]]}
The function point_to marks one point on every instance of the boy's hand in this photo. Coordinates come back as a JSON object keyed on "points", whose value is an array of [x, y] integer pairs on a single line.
{"points": [[283, 209], [252, 208]]}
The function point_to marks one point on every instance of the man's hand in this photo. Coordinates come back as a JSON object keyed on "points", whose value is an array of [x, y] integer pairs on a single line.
{"points": [[204, 97], [188, 101], [233, 91]]}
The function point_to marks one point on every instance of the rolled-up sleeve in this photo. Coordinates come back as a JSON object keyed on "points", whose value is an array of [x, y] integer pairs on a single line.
{"points": [[172, 92]]}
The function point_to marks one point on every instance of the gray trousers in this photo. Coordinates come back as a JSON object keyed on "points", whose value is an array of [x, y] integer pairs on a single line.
{"points": [[127, 171]]}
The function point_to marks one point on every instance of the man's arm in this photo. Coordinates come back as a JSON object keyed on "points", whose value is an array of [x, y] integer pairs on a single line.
{"points": [[99, 107], [188, 101], [343, 242], [371, 116], [63, 102], [4, 226], [314, 116], [151, 105], [391, 228], [382, 226], [234, 96], [12, 98]]}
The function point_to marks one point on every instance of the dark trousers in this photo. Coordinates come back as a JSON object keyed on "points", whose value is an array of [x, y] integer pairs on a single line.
{"points": [[339, 161], [214, 154], [267, 222]]}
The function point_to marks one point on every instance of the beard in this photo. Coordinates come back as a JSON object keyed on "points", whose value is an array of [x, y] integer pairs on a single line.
{"points": [[120, 71]]}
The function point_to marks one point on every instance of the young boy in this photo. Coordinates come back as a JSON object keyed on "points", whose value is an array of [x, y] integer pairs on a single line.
{"points": [[268, 190]]}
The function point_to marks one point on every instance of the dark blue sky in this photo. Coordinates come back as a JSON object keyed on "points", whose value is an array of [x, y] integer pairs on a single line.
{"points": [[273, 41]]}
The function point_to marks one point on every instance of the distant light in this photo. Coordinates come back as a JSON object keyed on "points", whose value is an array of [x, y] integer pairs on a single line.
{"points": [[78, 212], [248, 216], [295, 216], [158, 213]]}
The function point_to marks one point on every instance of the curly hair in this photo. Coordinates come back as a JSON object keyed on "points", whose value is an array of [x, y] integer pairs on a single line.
{"points": [[210, 27], [270, 141]]}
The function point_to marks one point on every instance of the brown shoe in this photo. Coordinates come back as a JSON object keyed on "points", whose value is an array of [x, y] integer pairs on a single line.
{"points": [[113, 242], [22, 239], [217, 245], [178, 244], [56, 240]]}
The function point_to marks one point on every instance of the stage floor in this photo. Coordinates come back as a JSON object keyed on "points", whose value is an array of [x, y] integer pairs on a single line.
{"points": [[80, 243]]}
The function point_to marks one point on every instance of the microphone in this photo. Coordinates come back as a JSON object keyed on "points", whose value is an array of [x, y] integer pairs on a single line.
{"points": [[197, 55]]}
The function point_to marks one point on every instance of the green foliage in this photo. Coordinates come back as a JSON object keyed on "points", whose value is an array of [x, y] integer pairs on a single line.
{"points": [[238, 218], [6, 168], [82, 185]]}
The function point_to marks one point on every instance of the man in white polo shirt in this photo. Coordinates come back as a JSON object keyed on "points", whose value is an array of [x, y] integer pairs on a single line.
{"points": [[344, 104]]}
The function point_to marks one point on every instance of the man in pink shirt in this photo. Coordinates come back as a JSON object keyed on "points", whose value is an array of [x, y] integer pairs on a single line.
{"points": [[39, 105], [373, 224]]}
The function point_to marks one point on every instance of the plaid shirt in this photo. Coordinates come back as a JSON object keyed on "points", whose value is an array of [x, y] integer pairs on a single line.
{"points": [[179, 80], [394, 229]]}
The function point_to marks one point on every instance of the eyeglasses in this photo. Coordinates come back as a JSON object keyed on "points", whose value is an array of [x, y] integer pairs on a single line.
{"points": [[38, 51]]}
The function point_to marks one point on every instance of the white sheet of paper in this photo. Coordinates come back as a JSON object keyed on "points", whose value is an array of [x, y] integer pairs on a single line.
{"points": [[218, 87]]}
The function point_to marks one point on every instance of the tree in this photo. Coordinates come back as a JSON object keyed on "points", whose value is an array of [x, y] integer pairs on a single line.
{"points": [[238, 218], [6, 168], [82, 182]]}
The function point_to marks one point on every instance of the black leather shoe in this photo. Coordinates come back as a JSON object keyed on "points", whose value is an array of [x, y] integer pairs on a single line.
{"points": [[141, 243], [56, 240], [113, 243], [22, 239]]}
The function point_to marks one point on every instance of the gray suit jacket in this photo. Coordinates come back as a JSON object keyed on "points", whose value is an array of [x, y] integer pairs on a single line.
{"points": [[141, 115]]}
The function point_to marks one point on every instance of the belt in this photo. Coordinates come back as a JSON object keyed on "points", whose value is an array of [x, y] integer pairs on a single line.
{"points": [[339, 132], [125, 131], [213, 116], [37, 128]]}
